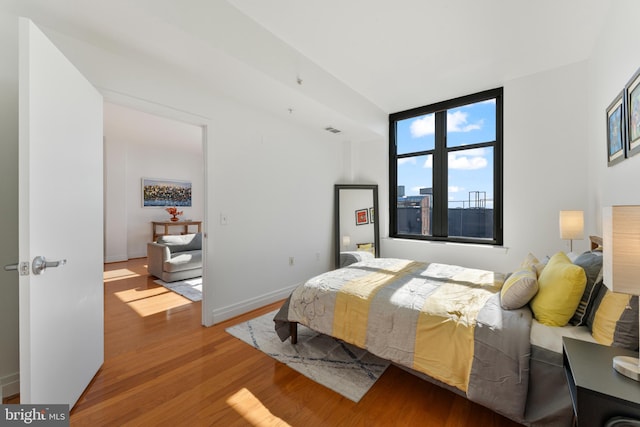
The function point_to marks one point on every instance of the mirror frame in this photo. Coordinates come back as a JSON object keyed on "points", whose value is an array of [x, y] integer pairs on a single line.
{"points": [[336, 206]]}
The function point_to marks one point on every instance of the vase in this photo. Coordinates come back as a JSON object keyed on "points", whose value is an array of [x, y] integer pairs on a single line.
{"points": [[174, 218]]}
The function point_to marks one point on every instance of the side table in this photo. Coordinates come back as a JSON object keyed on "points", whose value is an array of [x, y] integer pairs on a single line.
{"points": [[166, 224], [598, 392]]}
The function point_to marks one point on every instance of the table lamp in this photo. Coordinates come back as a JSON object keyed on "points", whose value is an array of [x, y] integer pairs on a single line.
{"points": [[346, 241], [571, 226], [621, 265]]}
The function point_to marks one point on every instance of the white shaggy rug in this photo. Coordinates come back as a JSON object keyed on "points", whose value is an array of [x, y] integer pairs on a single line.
{"points": [[190, 288], [343, 368]]}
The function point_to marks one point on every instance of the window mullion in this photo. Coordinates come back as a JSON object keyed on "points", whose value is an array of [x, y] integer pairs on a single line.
{"points": [[440, 177], [393, 179]]}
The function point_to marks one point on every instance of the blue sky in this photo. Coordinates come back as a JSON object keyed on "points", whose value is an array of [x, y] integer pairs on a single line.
{"points": [[469, 170]]}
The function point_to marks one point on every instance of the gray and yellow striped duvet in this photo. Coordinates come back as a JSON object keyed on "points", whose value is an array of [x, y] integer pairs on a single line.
{"points": [[422, 316]]}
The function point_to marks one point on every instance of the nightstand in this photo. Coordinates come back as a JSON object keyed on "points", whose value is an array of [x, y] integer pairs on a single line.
{"points": [[598, 392]]}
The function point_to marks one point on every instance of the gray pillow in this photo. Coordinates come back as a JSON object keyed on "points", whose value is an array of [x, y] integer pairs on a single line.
{"points": [[591, 262], [182, 242]]}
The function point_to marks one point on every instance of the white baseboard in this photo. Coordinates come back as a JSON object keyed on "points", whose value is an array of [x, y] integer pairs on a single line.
{"points": [[120, 258], [142, 254], [10, 385], [115, 258], [221, 314]]}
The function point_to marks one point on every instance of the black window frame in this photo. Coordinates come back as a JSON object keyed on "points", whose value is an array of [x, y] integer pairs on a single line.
{"points": [[440, 167]]}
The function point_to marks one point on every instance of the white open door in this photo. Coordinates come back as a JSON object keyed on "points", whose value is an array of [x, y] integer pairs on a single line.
{"points": [[60, 209]]}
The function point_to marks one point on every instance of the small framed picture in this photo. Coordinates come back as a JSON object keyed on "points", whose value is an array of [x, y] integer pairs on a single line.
{"points": [[362, 216], [616, 130], [632, 104], [371, 216]]}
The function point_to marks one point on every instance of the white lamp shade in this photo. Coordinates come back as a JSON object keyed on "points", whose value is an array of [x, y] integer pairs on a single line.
{"points": [[346, 241], [621, 248], [571, 225]]}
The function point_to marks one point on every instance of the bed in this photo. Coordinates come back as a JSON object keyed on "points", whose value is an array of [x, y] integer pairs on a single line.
{"points": [[448, 324]]}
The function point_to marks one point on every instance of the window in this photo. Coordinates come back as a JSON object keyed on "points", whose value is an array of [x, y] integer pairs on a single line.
{"points": [[445, 166]]}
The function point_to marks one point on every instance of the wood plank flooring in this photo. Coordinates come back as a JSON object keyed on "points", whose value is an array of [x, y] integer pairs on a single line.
{"points": [[162, 368]]}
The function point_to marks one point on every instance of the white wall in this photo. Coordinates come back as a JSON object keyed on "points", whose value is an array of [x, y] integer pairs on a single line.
{"points": [[140, 145], [544, 161], [613, 62]]}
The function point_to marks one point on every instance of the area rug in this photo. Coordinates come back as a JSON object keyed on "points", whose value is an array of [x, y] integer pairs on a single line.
{"points": [[341, 367], [190, 288]]}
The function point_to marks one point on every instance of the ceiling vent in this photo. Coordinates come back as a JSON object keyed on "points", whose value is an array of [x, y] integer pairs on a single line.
{"points": [[332, 129]]}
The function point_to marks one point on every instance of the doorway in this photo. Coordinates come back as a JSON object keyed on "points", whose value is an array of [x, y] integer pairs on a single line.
{"points": [[145, 141]]}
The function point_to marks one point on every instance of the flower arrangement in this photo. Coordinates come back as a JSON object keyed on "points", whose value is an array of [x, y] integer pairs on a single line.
{"points": [[174, 213]]}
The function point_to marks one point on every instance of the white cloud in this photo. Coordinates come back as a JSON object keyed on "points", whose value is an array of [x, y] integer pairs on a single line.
{"points": [[471, 160], [457, 122], [404, 160], [466, 162], [479, 152], [423, 126], [455, 189]]}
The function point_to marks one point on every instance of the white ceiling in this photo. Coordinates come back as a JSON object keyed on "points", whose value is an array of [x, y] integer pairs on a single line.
{"points": [[158, 133], [408, 53], [340, 63]]}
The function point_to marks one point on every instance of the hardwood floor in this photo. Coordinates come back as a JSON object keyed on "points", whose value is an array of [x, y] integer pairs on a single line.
{"points": [[163, 368]]}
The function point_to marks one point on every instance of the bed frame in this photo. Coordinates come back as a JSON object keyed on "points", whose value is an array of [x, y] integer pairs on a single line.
{"points": [[293, 330]]}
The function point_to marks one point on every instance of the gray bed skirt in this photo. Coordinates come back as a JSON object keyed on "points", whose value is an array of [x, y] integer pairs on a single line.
{"points": [[548, 400]]}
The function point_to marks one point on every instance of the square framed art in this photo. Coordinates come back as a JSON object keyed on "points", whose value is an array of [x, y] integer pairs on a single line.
{"points": [[362, 216], [632, 106], [616, 130]]}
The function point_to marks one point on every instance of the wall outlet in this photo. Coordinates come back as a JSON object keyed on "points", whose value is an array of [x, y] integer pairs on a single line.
{"points": [[291, 260], [224, 219]]}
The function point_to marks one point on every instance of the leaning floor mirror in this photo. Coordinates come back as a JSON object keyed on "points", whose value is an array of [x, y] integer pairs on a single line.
{"points": [[356, 223]]}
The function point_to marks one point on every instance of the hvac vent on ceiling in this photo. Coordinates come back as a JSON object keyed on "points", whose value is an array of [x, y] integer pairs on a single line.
{"points": [[332, 129]]}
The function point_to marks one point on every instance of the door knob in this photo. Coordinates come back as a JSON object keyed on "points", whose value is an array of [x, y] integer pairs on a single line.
{"points": [[40, 264]]}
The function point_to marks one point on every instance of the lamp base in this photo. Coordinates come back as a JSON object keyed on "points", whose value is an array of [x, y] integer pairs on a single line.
{"points": [[627, 366]]}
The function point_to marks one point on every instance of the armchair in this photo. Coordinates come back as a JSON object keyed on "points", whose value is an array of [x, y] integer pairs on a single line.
{"points": [[175, 257]]}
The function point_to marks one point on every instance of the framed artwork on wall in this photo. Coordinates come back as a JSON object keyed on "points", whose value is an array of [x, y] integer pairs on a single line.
{"points": [[371, 215], [632, 104], [616, 130], [165, 192], [362, 216]]}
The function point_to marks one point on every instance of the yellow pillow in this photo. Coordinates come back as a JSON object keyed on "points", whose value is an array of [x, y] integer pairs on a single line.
{"points": [[615, 322], [561, 285], [366, 247], [532, 261]]}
